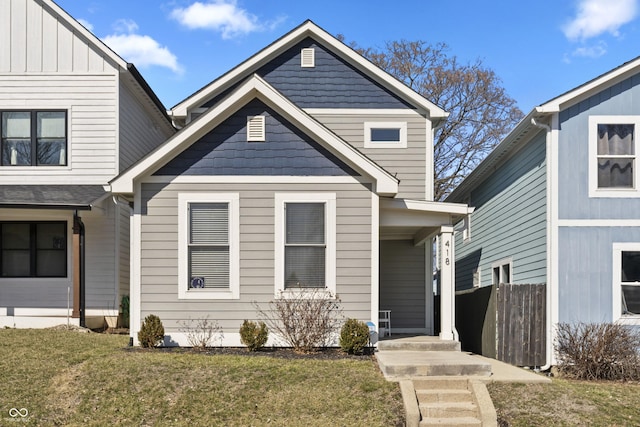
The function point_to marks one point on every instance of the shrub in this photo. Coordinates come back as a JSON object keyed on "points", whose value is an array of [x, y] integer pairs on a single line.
{"points": [[202, 333], [598, 351], [254, 335], [354, 336], [305, 319], [152, 332]]}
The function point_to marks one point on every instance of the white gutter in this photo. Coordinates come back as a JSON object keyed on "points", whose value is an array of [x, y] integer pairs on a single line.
{"points": [[548, 325]]}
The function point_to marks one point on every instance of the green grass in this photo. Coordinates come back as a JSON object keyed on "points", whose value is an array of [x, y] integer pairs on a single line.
{"points": [[567, 403], [70, 378]]}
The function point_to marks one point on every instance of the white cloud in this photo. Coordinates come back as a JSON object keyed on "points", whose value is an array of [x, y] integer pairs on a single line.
{"points": [[125, 26], [223, 16], [595, 17], [594, 51], [86, 24], [142, 50]]}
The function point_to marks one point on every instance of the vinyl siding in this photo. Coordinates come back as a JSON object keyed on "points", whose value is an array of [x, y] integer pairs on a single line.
{"points": [[409, 164], [622, 98], [285, 151], [585, 271], [34, 40], [509, 220], [403, 282], [159, 251], [139, 132]]}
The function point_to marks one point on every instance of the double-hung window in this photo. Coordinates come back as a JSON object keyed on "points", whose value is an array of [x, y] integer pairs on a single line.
{"points": [[33, 138], [33, 249], [626, 281], [209, 246], [305, 241], [613, 171]]}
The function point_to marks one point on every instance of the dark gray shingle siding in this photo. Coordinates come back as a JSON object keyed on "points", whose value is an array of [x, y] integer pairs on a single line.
{"points": [[286, 151]]}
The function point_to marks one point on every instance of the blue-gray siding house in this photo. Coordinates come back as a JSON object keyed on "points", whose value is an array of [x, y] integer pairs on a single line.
{"points": [[558, 202]]}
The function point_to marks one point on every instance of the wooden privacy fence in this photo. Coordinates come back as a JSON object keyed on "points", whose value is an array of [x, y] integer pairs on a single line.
{"points": [[506, 322]]}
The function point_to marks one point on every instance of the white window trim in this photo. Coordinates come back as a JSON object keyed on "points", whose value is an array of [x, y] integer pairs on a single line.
{"points": [[309, 54], [385, 125], [594, 191], [618, 248], [501, 263], [329, 199], [477, 271], [234, 246]]}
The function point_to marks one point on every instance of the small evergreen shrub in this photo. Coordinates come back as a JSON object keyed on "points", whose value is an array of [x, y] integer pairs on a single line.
{"points": [[354, 336], [152, 332], [254, 335]]}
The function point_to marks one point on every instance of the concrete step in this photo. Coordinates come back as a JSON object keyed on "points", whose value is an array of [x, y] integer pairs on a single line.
{"points": [[451, 422], [408, 364], [420, 343], [449, 410], [441, 383], [441, 396]]}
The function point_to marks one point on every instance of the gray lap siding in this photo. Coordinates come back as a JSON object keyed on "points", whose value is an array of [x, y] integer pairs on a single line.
{"points": [[159, 251]]}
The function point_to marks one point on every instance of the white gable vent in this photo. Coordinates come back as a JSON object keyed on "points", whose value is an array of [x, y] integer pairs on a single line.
{"points": [[255, 128], [308, 57]]}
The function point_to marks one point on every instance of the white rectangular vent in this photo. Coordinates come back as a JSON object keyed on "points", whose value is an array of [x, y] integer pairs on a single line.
{"points": [[255, 128], [308, 57]]}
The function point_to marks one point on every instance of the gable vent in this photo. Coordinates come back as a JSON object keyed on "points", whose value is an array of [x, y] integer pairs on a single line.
{"points": [[308, 57], [255, 128]]}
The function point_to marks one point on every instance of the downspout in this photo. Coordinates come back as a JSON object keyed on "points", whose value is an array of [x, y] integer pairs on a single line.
{"points": [[77, 222], [548, 326]]}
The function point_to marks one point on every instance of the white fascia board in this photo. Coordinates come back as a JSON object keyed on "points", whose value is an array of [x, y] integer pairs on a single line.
{"points": [[309, 29], [590, 88], [79, 28], [427, 206], [255, 88]]}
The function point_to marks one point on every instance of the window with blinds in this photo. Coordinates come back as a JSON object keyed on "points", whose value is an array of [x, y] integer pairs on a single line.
{"points": [[305, 245], [209, 245]]}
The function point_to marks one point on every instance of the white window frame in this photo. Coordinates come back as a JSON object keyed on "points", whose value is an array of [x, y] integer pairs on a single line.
{"points": [[618, 248], [329, 200], [477, 272], [184, 199], [307, 57], [594, 191], [402, 126], [501, 264]]}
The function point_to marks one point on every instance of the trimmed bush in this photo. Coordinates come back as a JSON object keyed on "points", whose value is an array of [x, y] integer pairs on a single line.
{"points": [[152, 332], [598, 351], [354, 336], [254, 335]]}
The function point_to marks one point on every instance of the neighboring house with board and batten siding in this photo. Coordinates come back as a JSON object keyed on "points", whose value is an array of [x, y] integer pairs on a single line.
{"points": [[558, 201], [73, 115], [306, 166]]}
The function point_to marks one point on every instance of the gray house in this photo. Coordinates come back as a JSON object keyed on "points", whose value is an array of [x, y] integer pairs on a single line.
{"points": [[558, 202], [304, 167], [73, 115]]}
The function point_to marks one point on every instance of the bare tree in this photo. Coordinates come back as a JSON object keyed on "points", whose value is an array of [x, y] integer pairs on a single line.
{"points": [[481, 113]]}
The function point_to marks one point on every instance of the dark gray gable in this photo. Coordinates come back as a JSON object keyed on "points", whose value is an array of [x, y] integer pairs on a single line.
{"points": [[332, 83], [286, 152]]}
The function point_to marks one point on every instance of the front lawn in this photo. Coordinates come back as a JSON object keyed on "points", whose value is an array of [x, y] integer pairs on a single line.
{"points": [[567, 403], [70, 378]]}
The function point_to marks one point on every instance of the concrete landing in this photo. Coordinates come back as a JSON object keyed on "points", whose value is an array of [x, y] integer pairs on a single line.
{"points": [[406, 364], [417, 343]]}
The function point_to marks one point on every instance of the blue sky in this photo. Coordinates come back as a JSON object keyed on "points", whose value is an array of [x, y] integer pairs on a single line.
{"points": [[539, 49]]}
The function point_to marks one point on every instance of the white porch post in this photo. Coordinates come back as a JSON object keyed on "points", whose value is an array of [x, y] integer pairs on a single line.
{"points": [[447, 285]]}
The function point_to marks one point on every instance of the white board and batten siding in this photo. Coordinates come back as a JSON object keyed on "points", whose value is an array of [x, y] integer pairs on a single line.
{"points": [[45, 64], [159, 247], [408, 164]]}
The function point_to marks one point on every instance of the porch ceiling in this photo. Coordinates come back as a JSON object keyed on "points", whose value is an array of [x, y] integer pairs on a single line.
{"points": [[402, 219]]}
